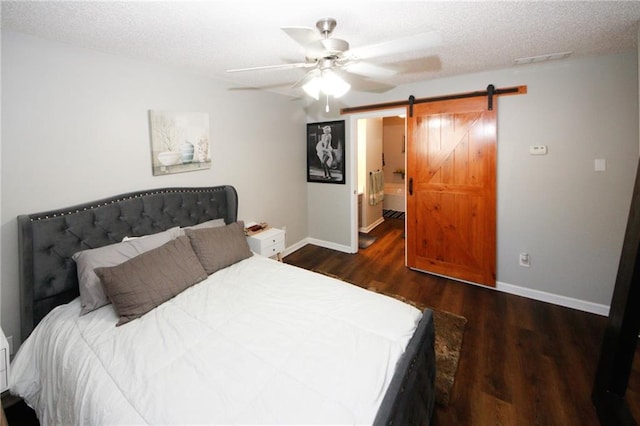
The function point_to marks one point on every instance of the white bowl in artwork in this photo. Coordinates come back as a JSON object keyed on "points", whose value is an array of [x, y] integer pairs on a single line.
{"points": [[169, 158]]}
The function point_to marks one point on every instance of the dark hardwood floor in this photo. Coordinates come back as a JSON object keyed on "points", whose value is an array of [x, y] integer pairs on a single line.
{"points": [[523, 362]]}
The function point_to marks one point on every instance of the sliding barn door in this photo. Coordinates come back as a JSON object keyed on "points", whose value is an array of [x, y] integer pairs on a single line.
{"points": [[451, 199]]}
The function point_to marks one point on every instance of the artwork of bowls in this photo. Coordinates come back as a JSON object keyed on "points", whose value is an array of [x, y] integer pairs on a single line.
{"points": [[169, 158], [186, 152], [203, 150]]}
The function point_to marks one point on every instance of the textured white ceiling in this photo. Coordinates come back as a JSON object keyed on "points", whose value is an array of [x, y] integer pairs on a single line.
{"points": [[211, 37]]}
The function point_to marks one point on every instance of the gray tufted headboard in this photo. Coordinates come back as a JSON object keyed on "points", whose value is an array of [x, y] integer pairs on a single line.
{"points": [[47, 240]]}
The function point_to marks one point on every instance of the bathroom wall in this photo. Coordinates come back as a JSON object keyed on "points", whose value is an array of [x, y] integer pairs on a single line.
{"points": [[393, 140], [370, 137]]}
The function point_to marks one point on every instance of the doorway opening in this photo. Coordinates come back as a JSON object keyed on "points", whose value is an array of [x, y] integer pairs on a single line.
{"points": [[379, 149]]}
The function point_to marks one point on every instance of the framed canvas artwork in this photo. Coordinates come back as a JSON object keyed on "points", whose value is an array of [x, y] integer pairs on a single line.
{"points": [[179, 141]]}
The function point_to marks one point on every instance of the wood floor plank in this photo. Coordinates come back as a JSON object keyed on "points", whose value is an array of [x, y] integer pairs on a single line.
{"points": [[522, 362], [633, 390], [529, 395], [495, 412]]}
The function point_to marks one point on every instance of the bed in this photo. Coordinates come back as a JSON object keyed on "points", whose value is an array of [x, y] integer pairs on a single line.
{"points": [[251, 341]]}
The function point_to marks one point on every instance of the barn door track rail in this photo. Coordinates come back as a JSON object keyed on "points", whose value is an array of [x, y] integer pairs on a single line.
{"points": [[490, 93]]}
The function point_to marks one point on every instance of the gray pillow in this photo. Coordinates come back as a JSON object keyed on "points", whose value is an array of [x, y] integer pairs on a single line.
{"points": [[140, 284], [91, 293], [218, 248]]}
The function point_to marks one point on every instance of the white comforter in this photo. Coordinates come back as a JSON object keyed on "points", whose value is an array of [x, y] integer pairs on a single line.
{"points": [[259, 342]]}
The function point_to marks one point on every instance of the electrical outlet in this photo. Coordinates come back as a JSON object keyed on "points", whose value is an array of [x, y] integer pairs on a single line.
{"points": [[10, 341], [538, 150], [525, 260]]}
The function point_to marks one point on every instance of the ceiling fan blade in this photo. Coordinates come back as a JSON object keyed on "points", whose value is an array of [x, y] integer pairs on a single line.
{"points": [[365, 85], [302, 35], [412, 43], [307, 77], [367, 69], [362, 84], [315, 50], [276, 67], [262, 87], [335, 45]]}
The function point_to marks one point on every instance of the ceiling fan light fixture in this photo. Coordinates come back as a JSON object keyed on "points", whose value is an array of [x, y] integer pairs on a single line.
{"points": [[328, 83], [333, 85], [312, 87]]}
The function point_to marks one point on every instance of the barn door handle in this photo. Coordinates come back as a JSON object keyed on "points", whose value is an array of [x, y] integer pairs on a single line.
{"points": [[410, 186]]}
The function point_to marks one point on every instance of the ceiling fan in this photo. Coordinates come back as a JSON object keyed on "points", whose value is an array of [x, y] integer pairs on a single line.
{"points": [[331, 59]]}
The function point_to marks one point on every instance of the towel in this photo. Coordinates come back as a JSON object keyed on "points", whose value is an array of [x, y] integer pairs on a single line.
{"points": [[376, 187]]}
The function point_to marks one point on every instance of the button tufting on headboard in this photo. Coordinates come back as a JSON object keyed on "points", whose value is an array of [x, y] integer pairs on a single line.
{"points": [[48, 240]]}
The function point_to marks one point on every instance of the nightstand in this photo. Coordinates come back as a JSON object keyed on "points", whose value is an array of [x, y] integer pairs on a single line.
{"points": [[4, 363], [269, 242]]}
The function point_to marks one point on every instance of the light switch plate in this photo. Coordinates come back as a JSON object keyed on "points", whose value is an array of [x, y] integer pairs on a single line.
{"points": [[600, 165]]}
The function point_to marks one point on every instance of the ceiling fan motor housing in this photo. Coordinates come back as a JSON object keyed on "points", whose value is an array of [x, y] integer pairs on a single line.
{"points": [[326, 26]]}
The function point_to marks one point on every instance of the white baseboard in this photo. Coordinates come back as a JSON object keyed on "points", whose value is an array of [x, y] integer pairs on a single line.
{"points": [[368, 229], [330, 245], [316, 242], [295, 247], [556, 299], [543, 296]]}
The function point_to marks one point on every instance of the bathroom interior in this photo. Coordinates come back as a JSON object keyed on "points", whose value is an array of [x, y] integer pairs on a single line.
{"points": [[381, 170]]}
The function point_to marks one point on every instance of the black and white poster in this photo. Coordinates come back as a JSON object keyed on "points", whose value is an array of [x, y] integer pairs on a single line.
{"points": [[325, 152]]}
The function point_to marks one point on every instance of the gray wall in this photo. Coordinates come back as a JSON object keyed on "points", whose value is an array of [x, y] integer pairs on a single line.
{"points": [[75, 129], [329, 206], [570, 218]]}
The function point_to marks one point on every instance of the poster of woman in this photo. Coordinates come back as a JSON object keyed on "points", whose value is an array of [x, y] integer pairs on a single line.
{"points": [[325, 152]]}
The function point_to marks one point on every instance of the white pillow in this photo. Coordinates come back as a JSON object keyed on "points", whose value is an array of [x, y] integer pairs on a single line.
{"points": [[215, 223]]}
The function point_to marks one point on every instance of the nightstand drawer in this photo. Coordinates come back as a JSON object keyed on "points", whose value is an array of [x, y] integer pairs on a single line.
{"points": [[265, 239], [268, 242], [273, 249]]}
